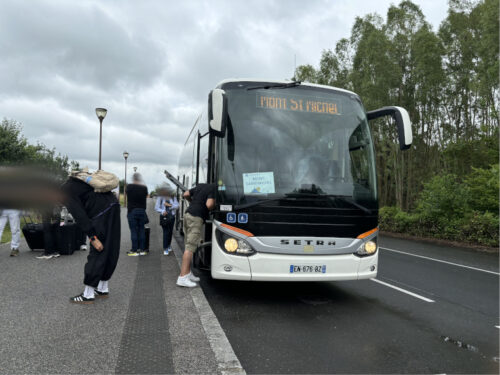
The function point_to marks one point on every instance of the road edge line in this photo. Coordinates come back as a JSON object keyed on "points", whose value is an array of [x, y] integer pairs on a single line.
{"points": [[441, 261], [404, 291], [227, 361]]}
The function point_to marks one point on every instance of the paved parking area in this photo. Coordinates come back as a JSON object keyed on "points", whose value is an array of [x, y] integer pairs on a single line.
{"points": [[147, 325]]}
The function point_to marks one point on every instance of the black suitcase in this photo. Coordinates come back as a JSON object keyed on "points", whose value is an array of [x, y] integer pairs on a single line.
{"points": [[33, 233], [147, 230], [66, 239]]}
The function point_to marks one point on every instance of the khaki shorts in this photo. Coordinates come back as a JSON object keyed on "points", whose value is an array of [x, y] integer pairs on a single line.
{"points": [[192, 231]]}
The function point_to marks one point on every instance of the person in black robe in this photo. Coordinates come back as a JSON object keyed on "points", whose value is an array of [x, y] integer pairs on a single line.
{"points": [[98, 215]]}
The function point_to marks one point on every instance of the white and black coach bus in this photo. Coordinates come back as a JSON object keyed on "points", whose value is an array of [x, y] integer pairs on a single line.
{"points": [[296, 184]]}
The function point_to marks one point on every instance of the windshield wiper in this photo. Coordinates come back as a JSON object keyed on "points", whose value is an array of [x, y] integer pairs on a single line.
{"points": [[257, 203], [348, 199], [276, 86], [344, 198]]}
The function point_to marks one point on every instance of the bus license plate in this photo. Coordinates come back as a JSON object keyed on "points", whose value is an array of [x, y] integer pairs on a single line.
{"points": [[307, 268]]}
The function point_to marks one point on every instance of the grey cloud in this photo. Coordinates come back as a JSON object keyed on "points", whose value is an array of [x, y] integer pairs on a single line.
{"points": [[151, 64], [78, 41]]}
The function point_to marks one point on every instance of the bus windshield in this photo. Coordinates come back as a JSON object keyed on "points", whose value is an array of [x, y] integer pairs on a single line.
{"points": [[292, 142]]}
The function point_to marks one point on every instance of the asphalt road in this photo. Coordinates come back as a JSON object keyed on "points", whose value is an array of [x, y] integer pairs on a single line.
{"points": [[432, 309]]}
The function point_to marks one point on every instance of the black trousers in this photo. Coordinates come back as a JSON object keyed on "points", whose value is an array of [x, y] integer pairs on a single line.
{"points": [[101, 264], [167, 233], [50, 231]]}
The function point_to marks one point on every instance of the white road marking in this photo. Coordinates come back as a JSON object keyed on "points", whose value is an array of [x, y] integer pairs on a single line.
{"points": [[497, 327], [403, 290], [441, 261], [227, 362]]}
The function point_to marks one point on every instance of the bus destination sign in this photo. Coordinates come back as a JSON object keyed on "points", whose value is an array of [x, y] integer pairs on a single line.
{"points": [[297, 103]]}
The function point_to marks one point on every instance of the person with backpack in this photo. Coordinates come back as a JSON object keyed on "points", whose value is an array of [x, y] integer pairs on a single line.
{"points": [[89, 199], [137, 193], [167, 205]]}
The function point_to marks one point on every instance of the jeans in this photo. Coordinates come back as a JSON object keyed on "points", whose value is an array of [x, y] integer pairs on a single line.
{"points": [[136, 220], [167, 234], [14, 217]]}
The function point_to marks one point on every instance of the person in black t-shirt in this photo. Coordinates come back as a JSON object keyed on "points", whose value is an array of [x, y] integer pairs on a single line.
{"points": [[136, 205], [202, 198]]}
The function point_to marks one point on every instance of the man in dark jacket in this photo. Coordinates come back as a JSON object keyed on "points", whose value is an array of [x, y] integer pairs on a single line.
{"points": [[98, 215], [202, 198]]}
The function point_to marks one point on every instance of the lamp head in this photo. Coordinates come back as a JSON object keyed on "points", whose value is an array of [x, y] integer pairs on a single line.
{"points": [[125, 154], [101, 113]]}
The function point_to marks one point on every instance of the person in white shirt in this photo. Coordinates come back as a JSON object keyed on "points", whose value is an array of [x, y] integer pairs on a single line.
{"points": [[167, 205]]}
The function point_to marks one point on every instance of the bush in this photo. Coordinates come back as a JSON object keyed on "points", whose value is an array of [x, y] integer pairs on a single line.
{"points": [[482, 187], [481, 227], [449, 208]]}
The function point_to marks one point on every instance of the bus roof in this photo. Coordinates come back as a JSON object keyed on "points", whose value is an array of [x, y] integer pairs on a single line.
{"points": [[257, 80]]}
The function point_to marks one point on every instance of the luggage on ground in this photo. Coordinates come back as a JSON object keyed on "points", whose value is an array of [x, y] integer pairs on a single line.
{"points": [[66, 239], [147, 230], [33, 233]]}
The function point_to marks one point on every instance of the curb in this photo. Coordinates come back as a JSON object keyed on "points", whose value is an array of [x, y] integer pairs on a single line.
{"points": [[227, 362]]}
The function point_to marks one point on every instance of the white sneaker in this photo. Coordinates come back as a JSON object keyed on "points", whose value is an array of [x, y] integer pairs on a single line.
{"points": [[165, 252], [193, 278], [44, 256], [184, 281]]}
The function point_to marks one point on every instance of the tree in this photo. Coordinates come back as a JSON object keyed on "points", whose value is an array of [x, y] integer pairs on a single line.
{"points": [[16, 151]]}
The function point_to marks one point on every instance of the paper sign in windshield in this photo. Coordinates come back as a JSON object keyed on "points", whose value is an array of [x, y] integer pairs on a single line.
{"points": [[258, 183]]}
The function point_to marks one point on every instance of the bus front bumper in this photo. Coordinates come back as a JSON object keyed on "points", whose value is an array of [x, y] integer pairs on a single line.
{"points": [[279, 267]]}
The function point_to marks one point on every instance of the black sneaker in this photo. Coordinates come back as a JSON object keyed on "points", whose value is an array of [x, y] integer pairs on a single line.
{"points": [[133, 253], [101, 294], [81, 300]]}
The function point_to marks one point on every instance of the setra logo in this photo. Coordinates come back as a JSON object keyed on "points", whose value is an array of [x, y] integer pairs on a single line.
{"points": [[307, 243]]}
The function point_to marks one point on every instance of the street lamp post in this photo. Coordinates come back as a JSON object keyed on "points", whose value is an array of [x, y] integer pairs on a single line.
{"points": [[101, 113], [125, 155]]}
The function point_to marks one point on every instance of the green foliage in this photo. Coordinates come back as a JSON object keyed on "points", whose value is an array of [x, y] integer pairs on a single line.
{"points": [[449, 83], [482, 186], [16, 151], [13, 146], [450, 208], [443, 196]]}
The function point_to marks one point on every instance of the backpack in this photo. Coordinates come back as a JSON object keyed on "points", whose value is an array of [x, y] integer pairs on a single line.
{"points": [[100, 180]]}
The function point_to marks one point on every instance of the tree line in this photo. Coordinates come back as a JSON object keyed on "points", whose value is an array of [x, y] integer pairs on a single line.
{"points": [[15, 151], [449, 82]]}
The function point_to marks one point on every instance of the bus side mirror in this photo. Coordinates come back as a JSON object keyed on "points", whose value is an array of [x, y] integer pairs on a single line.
{"points": [[402, 122], [217, 112]]}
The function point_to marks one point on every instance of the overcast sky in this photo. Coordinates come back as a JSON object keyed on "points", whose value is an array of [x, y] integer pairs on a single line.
{"points": [[152, 64]]}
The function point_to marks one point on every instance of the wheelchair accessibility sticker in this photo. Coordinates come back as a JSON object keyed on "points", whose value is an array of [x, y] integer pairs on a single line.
{"points": [[231, 217]]}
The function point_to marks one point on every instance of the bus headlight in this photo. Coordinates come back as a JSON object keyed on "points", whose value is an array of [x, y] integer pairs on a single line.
{"points": [[233, 245], [370, 247], [367, 248], [230, 245]]}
